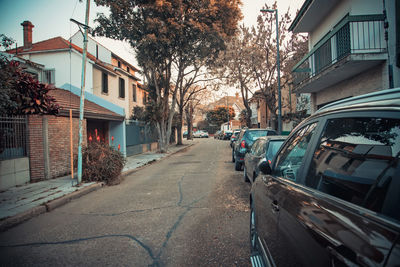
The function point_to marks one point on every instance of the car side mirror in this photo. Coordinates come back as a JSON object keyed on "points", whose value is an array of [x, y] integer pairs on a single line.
{"points": [[265, 167]]}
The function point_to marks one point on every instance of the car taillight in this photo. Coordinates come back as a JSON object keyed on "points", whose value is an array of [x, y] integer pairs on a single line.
{"points": [[243, 144]]}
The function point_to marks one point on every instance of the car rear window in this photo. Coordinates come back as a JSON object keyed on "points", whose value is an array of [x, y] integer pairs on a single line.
{"points": [[253, 135]]}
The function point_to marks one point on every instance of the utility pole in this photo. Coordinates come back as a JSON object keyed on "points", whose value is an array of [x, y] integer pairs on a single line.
{"points": [[82, 102], [278, 68]]}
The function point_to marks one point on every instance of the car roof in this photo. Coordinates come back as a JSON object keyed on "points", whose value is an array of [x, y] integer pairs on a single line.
{"points": [[273, 137], [383, 98], [259, 129]]}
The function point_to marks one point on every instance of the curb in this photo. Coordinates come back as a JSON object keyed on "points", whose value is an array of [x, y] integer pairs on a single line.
{"points": [[53, 204], [21, 217], [46, 207], [129, 172]]}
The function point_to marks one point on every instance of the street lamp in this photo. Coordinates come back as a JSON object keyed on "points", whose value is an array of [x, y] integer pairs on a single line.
{"points": [[279, 68]]}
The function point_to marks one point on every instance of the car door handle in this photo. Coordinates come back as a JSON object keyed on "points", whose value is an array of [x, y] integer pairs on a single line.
{"points": [[274, 205]]}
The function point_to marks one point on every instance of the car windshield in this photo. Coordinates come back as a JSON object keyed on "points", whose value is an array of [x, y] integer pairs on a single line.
{"points": [[273, 148], [253, 135]]}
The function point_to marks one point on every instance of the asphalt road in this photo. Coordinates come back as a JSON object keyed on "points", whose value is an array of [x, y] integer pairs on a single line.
{"points": [[189, 209]]}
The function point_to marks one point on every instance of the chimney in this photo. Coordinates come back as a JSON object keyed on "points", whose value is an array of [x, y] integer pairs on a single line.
{"points": [[27, 34]]}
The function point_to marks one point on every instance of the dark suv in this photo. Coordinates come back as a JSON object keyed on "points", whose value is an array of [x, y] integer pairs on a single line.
{"points": [[245, 141], [331, 195]]}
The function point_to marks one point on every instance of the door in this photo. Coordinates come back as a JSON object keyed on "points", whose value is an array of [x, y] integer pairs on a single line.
{"points": [[272, 193], [344, 212], [254, 158]]}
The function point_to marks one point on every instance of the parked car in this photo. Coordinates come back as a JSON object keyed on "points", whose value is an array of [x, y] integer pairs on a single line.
{"points": [[185, 134], [227, 135], [234, 137], [204, 134], [331, 195], [200, 134], [216, 135], [196, 134], [245, 141], [263, 149]]}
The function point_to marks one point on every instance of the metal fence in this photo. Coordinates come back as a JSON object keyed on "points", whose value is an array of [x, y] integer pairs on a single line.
{"points": [[354, 37], [138, 133], [13, 137]]}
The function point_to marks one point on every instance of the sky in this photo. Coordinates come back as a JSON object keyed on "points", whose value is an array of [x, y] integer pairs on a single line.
{"points": [[51, 18]]}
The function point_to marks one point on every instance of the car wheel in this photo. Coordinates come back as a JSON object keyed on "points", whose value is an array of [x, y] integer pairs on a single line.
{"points": [[253, 231], [238, 165], [245, 177], [233, 156]]}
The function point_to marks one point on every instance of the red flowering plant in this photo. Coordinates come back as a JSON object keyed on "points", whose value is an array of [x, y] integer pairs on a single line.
{"points": [[23, 94]]}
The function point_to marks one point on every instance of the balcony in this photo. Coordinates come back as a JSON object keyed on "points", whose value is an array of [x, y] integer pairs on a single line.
{"points": [[356, 44]]}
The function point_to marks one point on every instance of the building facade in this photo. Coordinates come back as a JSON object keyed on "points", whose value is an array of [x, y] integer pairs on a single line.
{"points": [[352, 49]]}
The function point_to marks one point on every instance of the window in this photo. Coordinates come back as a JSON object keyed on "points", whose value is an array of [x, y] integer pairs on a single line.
{"points": [[273, 148], [134, 92], [356, 160], [49, 76], [144, 98], [127, 69], [104, 83], [119, 64], [253, 135], [97, 51], [254, 147], [261, 148], [291, 156], [121, 88]]}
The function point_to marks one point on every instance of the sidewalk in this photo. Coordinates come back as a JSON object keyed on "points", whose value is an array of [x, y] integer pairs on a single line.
{"points": [[21, 203]]}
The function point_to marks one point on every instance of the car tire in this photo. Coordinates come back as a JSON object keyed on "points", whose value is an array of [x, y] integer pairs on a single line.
{"points": [[245, 177], [233, 155], [253, 231], [238, 166]]}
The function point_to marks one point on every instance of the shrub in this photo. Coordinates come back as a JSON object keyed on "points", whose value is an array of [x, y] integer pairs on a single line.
{"points": [[100, 162]]}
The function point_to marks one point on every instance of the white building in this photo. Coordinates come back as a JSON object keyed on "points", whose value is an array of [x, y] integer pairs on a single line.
{"points": [[348, 52]]}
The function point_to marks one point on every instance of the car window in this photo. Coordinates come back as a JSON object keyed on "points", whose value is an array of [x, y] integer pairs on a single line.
{"points": [[356, 160], [273, 147], [261, 147], [291, 156], [253, 135], [271, 133], [254, 147]]}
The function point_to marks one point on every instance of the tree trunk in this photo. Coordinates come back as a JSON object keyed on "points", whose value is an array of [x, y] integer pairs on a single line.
{"points": [[179, 127], [248, 117], [189, 121]]}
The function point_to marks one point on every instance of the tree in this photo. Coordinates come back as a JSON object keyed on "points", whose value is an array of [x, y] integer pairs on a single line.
{"points": [[167, 32], [233, 66], [219, 115], [138, 113], [22, 94], [193, 105], [264, 59]]}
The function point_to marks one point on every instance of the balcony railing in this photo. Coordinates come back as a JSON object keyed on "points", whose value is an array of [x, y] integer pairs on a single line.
{"points": [[353, 35]]}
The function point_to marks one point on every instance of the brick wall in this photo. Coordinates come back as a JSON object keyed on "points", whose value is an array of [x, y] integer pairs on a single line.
{"points": [[35, 147], [59, 144], [58, 149]]}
